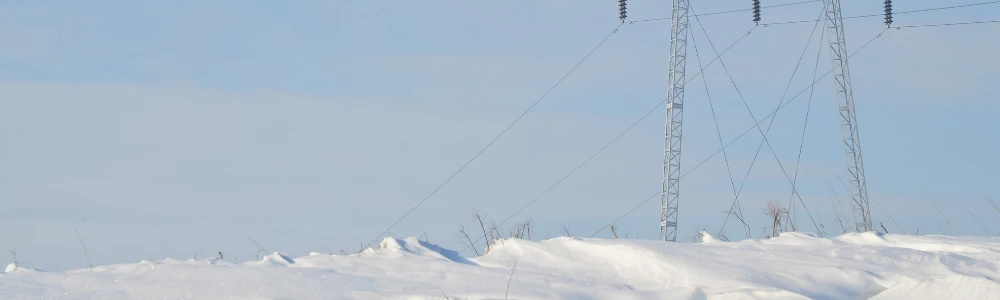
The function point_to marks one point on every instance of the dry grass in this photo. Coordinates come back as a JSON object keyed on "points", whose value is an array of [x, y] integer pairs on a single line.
{"points": [[85, 253]]}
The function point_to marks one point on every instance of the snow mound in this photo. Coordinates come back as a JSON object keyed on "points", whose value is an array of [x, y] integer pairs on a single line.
{"points": [[276, 259], [413, 248], [11, 268], [789, 266]]}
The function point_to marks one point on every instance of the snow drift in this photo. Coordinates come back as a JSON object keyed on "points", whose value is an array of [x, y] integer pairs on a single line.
{"points": [[791, 266]]}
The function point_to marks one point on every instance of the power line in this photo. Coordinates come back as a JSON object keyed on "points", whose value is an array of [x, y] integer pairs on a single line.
{"points": [[763, 135], [744, 132], [718, 132], [539, 100], [619, 135], [946, 7], [728, 11], [886, 212], [599, 151], [769, 126], [949, 24], [630, 127], [625, 131], [445, 119], [805, 124], [900, 13], [578, 167], [626, 213], [890, 217]]}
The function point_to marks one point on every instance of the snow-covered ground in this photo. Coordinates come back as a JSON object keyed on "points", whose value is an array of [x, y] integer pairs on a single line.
{"points": [[792, 266]]}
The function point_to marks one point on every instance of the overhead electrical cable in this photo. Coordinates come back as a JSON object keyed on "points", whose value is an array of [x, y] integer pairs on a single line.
{"points": [[844, 184], [622, 133], [771, 123], [718, 131], [949, 24], [754, 118], [890, 216], [599, 151], [783, 95], [895, 13], [402, 149], [728, 11], [616, 138], [739, 136], [805, 124], [497, 137]]}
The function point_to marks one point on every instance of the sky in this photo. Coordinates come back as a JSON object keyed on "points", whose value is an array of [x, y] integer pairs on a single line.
{"points": [[154, 129]]}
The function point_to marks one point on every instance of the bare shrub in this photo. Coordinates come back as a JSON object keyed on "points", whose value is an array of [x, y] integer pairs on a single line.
{"points": [[462, 233], [779, 217], [566, 231], [522, 230]]}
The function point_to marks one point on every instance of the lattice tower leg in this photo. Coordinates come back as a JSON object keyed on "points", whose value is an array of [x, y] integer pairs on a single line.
{"points": [[675, 114], [848, 121]]}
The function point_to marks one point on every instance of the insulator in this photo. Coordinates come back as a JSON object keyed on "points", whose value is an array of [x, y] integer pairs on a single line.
{"points": [[621, 10], [756, 11], [888, 12]]}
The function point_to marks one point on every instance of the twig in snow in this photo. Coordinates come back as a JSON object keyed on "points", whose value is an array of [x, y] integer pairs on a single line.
{"points": [[836, 209], [698, 232], [722, 236], [14, 254], [565, 230], [886, 212], [482, 225], [737, 211], [442, 292], [85, 254], [509, 280], [848, 191], [990, 200], [496, 232], [980, 222], [522, 230], [466, 235], [255, 243], [938, 208]]}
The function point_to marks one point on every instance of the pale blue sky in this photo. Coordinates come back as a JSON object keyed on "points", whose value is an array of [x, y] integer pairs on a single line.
{"points": [[174, 127]]}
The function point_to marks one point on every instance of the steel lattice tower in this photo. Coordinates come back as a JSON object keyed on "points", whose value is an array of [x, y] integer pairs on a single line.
{"points": [[675, 114], [848, 122]]}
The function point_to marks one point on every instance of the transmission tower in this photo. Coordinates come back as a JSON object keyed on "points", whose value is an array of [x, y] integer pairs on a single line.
{"points": [[675, 114], [848, 122]]}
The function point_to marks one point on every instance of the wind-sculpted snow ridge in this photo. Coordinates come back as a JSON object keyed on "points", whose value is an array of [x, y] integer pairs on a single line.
{"points": [[791, 266]]}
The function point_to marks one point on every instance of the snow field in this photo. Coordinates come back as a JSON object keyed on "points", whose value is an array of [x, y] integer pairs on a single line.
{"points": [[791, 266]]}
